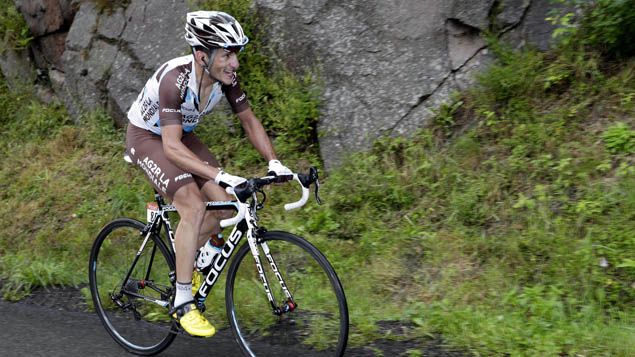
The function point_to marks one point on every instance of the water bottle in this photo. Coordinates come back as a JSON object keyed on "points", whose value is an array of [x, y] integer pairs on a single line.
{"points": [[207, 252]]}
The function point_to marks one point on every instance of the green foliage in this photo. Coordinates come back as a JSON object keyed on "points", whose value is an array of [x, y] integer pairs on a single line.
{"points": [[619, 139], [538, 321], [516, 236], [513, 79], [58, 183], [15, 33], [22, 272], [608, 26], [109, 5], [445, 114], [39, 121]]}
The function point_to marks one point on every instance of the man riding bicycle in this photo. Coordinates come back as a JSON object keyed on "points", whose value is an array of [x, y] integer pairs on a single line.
{"points": [[160, 140]]}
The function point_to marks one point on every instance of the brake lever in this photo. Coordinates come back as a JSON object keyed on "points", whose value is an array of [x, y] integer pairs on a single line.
{"points": [[317, 188], [261, 203], [313, 177]]}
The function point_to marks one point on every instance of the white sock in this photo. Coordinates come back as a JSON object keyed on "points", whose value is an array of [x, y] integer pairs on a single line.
{"points": [[183, 293]]}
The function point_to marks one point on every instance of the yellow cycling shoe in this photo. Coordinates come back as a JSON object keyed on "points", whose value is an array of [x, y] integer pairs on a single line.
{"points": [[192, 321]]}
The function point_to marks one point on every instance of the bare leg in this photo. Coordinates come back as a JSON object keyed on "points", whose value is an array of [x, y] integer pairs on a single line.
{"points": [[211, 221], [189, 202], [196, 224]]}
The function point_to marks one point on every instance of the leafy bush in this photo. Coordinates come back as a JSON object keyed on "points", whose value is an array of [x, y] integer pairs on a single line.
{"points": [[619, 139], [607, 26], [13, 27]]}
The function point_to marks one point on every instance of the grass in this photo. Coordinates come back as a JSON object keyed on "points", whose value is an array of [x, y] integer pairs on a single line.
{"points": [[510, 235], [507, 225], [15, 33], [55, 201]]}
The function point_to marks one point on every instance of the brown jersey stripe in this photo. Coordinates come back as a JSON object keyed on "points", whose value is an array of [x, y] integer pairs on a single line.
{"points": [[160, 71]]}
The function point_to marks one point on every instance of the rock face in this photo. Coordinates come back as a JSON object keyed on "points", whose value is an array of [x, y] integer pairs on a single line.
{"points": [[110, 54], [386, 65], [48, 21]]}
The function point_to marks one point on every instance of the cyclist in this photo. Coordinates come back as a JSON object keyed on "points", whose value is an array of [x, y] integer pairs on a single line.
{"points": [[160, 141]]}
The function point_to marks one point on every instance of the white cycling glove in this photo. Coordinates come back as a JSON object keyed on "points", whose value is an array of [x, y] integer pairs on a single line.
{"points": [[278, 169], [226, 180]]}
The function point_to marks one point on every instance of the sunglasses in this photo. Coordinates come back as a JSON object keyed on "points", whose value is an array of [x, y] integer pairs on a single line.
{"points": [[234, 49]]}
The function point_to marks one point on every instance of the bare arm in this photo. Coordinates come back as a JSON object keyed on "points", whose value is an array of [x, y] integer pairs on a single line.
{"points": [[256, 134], [183, 157]]}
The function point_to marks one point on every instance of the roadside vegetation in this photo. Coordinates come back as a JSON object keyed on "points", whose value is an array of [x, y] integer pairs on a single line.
{"points": [[15, 33], [508, 227]]}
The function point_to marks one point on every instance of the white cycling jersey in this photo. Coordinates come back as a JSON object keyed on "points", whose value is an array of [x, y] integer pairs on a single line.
{"points": [[170, 96]]}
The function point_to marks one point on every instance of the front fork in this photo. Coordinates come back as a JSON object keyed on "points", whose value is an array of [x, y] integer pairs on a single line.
{"points": [[289, 304]]}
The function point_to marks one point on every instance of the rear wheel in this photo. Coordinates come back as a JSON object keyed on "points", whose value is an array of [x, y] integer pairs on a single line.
{"points": [[316, 322], [134, 311]]}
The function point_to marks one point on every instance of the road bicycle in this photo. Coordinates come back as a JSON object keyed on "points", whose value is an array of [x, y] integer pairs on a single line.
{"points": [[288, 296]]}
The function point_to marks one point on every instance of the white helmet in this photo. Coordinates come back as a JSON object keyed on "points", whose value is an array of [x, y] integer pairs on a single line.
{"points": [[213, 29]]}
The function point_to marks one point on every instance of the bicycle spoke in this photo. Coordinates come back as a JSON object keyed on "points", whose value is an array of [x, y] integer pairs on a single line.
{"points": [[316, 320], [134, 311]]}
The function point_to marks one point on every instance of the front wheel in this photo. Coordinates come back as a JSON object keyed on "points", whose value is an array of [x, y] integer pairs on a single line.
{"points": [[310, 316], [131, 287]]}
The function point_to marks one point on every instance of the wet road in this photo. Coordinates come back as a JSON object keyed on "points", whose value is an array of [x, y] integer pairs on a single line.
{"points": [[29, 330], [35, 330]]}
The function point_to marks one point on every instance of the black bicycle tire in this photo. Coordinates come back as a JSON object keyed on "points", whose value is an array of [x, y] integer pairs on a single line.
{"points": [[94, 255], [321, 260]]}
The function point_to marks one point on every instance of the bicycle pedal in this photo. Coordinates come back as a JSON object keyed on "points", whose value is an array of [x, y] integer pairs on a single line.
{"points": [[200, 305]]}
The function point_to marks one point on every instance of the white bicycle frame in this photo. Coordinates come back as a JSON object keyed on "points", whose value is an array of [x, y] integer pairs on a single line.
{"points": [[245, 223]]}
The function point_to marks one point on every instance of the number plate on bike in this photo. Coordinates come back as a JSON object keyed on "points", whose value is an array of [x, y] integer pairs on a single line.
{"points": [[151, 210]]}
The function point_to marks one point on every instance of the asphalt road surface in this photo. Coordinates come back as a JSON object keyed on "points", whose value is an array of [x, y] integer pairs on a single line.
{"points": [[30, 330], [52, 323]]}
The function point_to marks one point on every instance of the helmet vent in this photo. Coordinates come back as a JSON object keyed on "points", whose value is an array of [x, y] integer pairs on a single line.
{"points": [[213, 29]]}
